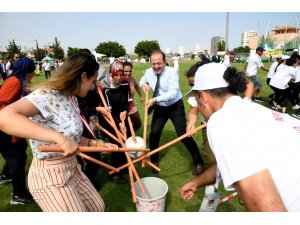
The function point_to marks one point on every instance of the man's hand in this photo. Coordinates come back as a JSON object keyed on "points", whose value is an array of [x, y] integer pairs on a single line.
{"points": [[188, 190], [146, 88], [150, 102]]}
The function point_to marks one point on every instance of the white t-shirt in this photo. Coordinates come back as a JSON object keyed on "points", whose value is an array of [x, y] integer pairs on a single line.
{"points": [[297, 75], [282, 76], [46, 66], [247, 138], [57, 114], [254, 62], [272, 69], [226, 61]]}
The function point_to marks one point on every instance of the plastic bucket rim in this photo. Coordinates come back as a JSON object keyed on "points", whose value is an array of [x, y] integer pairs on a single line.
{"points": [[159, 197]]}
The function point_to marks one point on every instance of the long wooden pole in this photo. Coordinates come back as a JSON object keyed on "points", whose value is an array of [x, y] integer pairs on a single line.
{"points": [[99, 162], [163, 146], [57, 148], [145, 118]]}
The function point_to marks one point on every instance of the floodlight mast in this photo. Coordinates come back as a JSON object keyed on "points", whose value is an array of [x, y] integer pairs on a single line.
{"points": [[227, 31]]}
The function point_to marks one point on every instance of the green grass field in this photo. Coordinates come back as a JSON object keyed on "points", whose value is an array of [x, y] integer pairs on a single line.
{"points": [[175, 163]]}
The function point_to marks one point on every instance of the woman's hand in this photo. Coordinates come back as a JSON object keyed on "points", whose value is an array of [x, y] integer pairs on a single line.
{"points": [[68, 146]]}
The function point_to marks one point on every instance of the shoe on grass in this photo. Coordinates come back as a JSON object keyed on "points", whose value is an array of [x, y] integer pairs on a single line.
{"points": [[4, 178], [21, 200]]}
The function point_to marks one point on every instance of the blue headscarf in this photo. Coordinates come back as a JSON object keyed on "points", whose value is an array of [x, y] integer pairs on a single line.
{"points": [[23, 66]]}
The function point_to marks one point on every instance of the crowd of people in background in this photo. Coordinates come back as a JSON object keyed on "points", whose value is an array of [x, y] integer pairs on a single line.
{"points": [[72, 86]]}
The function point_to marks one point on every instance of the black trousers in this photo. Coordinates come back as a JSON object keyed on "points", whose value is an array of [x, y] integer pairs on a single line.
{"points": [[15, 157], [176, 113]]}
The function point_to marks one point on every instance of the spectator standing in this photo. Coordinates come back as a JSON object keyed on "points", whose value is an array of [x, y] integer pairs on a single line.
{"points": [[3, 70], [205, 57], [47, 68], [215, 58], [13, 149]]}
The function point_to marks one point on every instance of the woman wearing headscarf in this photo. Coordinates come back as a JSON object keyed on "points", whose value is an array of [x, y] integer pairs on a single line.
{"points": [[117, 95], [13, 149]]}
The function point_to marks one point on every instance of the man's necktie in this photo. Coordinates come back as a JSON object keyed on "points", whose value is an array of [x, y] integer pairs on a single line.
{"points": [[155, 93]]}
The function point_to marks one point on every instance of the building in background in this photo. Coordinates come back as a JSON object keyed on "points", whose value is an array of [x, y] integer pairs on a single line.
{"points": [[281, 37], [249, 38], [214, 43]]}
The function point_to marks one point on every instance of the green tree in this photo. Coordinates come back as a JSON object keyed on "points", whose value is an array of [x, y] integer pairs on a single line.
{"points": [[58, 51], [13, 48], [72, 51], [245, 49], [144, 48], [111, 48], [39, 53], [221, 45]]}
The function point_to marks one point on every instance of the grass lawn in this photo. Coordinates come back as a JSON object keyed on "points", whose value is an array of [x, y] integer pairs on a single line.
{"points": [[175, 163]]}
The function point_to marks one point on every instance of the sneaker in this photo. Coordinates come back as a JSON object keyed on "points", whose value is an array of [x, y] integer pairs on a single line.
{"points": [[259, 99], [22, 200], [275, 108], [279, 107], [4, 178], [295, 107], [198, 170]]}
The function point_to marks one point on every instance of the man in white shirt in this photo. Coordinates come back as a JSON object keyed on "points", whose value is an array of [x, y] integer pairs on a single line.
{"points": [[47, 68], [167, 99], [265, 178], [253, 63]]}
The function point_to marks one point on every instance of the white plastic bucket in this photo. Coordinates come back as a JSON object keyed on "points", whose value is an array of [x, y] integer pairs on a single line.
{"points": [[155, 199]]}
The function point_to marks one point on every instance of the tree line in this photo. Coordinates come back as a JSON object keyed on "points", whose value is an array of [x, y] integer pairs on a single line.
{"points": [[110, 49]]}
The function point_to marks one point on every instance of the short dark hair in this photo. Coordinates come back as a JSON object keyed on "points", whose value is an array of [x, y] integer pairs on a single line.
{"points": [[127, 64], [193, 69]]}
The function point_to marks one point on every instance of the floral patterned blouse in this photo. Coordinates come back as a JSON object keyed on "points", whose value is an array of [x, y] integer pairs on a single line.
{"points": [[57, 113]]}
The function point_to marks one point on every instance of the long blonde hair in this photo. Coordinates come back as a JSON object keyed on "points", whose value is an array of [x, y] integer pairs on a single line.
{"points": [[67, 79]]}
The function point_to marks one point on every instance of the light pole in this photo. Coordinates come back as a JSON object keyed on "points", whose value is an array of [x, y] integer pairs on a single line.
{"points": [[227, 29]]}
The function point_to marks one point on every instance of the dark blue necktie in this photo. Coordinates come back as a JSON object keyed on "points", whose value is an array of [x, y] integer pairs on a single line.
{"points": [[155, 93]]}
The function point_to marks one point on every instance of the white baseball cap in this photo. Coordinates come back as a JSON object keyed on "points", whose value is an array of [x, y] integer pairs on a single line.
{"points": [[295, 50], [285, 57], [210, 76]]}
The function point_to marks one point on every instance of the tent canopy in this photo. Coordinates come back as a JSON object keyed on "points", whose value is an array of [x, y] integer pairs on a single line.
{"points": [[47, 58]]}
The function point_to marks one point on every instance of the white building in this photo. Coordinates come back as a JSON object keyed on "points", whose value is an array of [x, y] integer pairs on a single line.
{"points": [[245, 37]]}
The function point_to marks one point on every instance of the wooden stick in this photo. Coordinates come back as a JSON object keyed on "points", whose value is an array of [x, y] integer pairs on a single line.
{"points": [[104, 130], [131, 128], [99, 162], [57, 148], [151, 164], [145, 118], [163, 147], [133, 190], [123, 124], [112, 125]]}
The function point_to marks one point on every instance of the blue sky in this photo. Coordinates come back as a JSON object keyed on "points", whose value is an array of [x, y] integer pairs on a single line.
{"points": [[171, 29]]}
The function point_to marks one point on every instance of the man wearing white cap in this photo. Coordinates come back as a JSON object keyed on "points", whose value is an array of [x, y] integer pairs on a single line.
{"points": [[265, 179]]}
